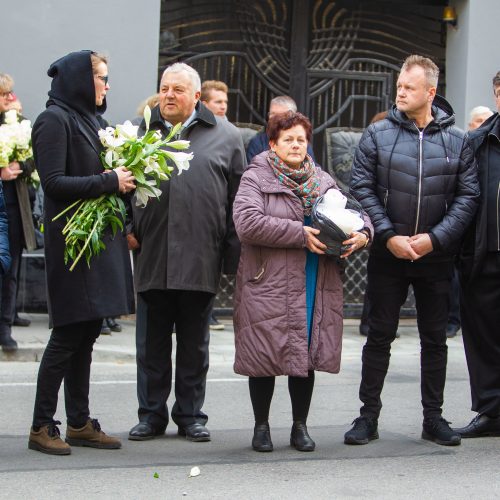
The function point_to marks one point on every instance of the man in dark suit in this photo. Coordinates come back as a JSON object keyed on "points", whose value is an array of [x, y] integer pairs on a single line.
{"points": [[183, 241], [479, 269]]}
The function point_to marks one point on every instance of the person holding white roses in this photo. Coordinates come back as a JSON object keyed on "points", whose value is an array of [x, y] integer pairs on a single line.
{"points": [[67, 151], [21, 229], [182, 242]]}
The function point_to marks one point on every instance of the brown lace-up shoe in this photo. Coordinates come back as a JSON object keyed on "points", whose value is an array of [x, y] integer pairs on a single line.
{"points": [[47, 440], [91, 435]]}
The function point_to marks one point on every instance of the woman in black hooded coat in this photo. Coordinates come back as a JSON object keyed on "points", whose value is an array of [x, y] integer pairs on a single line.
{"points": [[66, 148]]}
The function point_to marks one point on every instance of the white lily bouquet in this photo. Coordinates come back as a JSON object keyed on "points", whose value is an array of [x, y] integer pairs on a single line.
{"points": [[148, 162], [15, 142]]}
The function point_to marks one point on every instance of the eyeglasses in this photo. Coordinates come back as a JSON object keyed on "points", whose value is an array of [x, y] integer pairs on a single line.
{"points": [[6, 94], [103, 78]]}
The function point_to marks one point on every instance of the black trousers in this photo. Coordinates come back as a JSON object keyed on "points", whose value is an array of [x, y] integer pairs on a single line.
{"points": [[68, 356], [157, 312], [387, 293], [10, 279], [480, 309], [262, 390]]}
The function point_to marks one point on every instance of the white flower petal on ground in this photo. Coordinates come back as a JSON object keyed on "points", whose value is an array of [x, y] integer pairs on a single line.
{"points": [[195, 471]]}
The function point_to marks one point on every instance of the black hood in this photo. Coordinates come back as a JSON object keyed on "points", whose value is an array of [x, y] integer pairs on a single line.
{"points": [[73, 84], [441, 111]]}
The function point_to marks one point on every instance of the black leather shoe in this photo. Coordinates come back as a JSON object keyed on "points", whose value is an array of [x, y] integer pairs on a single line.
{"points": [[481, 426], [195, 432], [18, 321], [8, 343], [452, 330], [300, 439], [261, 440], [113, 325], [144, 431]]}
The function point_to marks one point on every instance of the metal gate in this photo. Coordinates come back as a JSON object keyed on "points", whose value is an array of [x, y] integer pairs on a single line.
{"points": [[338, 59]]}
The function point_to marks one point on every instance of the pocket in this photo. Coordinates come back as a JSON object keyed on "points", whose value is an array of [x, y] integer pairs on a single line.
{"points": [[259, 275]]}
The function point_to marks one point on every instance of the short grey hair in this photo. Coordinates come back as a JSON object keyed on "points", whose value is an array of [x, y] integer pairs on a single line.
{"points": [[284, 100], [480, 111], [430, 69], [185, 68]]}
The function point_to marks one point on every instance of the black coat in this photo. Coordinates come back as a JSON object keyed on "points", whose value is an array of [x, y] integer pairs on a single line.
{"points": [[66, 149], [407, 190], [475, 244], [4, 236], [188, 234]]}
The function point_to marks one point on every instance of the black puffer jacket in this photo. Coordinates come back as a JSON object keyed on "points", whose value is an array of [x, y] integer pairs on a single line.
{"points": [[413, 182]]}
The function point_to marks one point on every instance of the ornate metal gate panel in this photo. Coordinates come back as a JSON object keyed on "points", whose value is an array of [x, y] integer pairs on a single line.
{"points": [[339, 60]]}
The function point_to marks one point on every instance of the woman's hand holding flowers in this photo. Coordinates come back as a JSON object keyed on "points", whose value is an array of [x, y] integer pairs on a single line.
{"points": [[312, 243], [11, 172]]}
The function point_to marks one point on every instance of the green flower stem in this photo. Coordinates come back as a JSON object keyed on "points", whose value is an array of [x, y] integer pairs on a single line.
{"points": [[65, 210], [84, 246]]}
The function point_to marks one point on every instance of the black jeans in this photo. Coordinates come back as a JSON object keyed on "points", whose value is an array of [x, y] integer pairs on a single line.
{"points": [[262, 390], [387, 293], [68, 356], [157, 312]]}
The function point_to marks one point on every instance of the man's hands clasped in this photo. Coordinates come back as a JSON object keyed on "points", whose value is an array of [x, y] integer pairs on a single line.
{"points": [[410, 247]]}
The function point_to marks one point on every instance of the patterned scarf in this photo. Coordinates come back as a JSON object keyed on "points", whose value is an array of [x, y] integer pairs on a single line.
{"points": [[303, 180]]}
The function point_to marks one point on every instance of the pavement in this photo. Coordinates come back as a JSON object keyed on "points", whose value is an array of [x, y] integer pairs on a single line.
{"points": [[119, 347], [400, 465]]}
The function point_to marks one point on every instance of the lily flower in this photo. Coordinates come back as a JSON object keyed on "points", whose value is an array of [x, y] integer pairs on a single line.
{"points": [[181, 160], [127, 130]]}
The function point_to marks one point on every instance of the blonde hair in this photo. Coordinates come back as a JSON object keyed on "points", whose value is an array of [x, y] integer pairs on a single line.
{"points": [[430, 69], [208, 85], [151, 101], [6, 82], [96, 59]]}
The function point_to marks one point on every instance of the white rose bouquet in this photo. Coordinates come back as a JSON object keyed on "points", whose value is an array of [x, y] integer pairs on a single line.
{"points": [[149, 163], [15, 142]]}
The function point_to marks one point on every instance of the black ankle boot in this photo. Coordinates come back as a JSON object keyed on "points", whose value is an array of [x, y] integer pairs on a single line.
{"points": [[262, 437], [300, 439]]}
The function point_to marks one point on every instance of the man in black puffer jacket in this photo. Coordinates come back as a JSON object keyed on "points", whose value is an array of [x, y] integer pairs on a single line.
{"points": [[415, 175]]}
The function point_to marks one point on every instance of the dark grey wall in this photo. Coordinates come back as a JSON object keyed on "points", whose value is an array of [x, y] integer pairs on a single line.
{"points": [[35, 33]]}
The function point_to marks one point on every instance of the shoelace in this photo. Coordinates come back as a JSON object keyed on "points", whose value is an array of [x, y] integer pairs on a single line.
{"points": [[360, 421], [53, 430], [95, 424], [440, 422]]}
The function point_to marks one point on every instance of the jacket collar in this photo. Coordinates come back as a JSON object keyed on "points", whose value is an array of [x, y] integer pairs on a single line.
{"points": [[203, 116], [490, 126]]}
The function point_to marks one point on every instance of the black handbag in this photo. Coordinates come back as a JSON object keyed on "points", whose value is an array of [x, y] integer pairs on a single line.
{"points": [[331, 234]]}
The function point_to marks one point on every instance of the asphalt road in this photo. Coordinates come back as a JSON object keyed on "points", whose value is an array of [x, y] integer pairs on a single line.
{"points": [[398, 465]]}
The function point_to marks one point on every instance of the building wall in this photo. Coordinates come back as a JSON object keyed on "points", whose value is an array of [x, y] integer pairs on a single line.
{"points": [[471, 61], [35, 33]]}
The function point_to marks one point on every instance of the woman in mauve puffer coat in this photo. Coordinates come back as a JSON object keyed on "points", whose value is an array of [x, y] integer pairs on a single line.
{"points": [[288, 299]]}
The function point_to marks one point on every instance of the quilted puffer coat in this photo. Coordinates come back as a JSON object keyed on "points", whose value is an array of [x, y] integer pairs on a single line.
{"points": [[270, 296], [413, 181]]}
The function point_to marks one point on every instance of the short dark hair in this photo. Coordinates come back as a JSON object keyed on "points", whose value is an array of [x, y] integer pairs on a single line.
{"points": [[285, 121], [496, 80]]}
